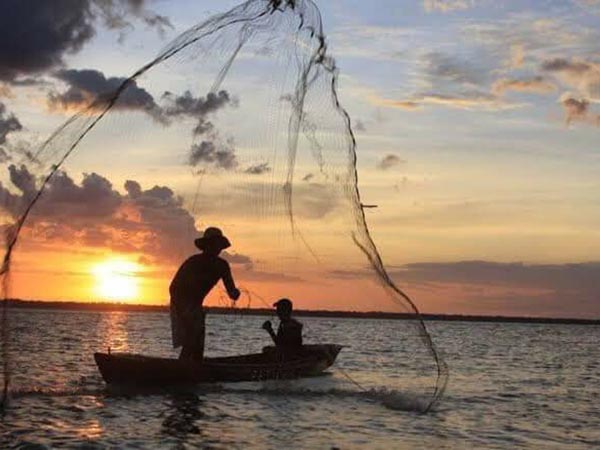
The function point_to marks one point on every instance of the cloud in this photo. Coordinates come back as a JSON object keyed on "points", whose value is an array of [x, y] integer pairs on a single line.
{"points": [[151, 222], [447, 5], [470, 100], [197, 107], [89, 88], [517, 56], [536, 85], [213, 150], [8, 124], [86, 86], [453, 82], [563, 279], [579, 74], [159, 217], [402, 104], [114, 14], [487, 287], [238, 259], [63, 197], [258, 169], [59, 28], [389, 161], [443, 69], [578, 110], [219, 155]]}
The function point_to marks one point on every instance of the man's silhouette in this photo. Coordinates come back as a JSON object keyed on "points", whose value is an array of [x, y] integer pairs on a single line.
{"points": [[191, 284], [289, 333]]}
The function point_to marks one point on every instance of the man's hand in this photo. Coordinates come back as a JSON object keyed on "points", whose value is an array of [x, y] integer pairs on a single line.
{"points": [[235, 294], [267, 326]]}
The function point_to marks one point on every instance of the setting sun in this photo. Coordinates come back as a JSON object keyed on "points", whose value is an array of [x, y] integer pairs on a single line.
{"points": [[116, 279]]}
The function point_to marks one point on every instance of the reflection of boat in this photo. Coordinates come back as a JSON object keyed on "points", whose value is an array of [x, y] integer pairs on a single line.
{"points": [[123, 368]]}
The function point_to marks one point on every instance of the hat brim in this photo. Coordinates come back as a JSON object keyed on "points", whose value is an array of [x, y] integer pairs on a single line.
{"points": [[217, 241]]}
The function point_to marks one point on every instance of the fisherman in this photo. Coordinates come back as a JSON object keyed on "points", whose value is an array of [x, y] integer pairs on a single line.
{"points": [[191, 284], [289, 333]]}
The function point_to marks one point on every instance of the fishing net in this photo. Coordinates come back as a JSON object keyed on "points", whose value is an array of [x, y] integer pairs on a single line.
{"points": [[237, 123]]}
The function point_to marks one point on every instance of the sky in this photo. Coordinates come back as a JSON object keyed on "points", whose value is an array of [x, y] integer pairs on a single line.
{"points": [[476, 125]]}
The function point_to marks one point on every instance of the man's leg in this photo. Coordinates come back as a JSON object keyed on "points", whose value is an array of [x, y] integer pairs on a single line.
{"points": [[188, 336], [199, 334]]}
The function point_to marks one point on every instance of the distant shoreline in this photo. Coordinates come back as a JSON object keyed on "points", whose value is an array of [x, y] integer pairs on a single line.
{"points": [[81, 306]]}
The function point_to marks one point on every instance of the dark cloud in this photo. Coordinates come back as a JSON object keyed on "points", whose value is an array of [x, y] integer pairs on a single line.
{"points": [[114, 14], [90, 87], [554, 276], [63, 197], [584, 76], [197, 107], [219, 155], [487, 287], [564, 65], [442, 69], [86, 86], [213, 150], [389, 161], [258, 169], [23, 180], [167, 228], [36, 35], [151, 221], [560, 287], [238, 259], [578, 110], [8, 124]]}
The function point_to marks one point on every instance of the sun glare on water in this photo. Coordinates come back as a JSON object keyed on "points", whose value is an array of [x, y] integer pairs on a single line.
{"points": [[116, 279]]}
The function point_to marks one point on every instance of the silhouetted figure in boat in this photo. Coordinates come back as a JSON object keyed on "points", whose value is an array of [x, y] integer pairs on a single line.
{"points": [[289, 334], [191, 284]]}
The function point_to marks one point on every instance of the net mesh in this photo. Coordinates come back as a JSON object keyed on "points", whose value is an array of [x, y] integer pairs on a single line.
{"points": [[236, 123]]}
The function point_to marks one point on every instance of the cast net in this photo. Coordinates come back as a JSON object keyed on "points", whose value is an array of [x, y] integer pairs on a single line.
{"points": [[237, 123]]}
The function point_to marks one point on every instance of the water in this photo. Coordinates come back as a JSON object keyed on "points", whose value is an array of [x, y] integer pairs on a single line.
{"points": [[511, 385]]}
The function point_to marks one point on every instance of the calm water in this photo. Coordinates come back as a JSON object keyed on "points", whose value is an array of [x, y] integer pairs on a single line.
{"points": [[511, 385]]}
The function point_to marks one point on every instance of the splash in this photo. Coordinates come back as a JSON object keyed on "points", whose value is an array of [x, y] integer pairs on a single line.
{"points": [[255, 93]]}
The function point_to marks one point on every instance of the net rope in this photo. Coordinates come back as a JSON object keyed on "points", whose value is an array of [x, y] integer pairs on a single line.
{"points": [[305, 129]]}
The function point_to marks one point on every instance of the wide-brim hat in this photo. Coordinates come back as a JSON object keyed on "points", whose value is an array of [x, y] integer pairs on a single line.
{"points": [[212, 237]]}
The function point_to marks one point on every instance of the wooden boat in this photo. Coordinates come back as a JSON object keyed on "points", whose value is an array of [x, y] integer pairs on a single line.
{"points": [[271, 364]]}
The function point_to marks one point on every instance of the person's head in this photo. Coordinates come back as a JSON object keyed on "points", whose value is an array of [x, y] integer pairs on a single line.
{"points": [[212, 241], [284, 308]]}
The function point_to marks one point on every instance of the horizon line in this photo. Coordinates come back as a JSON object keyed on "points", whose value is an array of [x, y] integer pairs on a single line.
{"points": [[138, 307]]}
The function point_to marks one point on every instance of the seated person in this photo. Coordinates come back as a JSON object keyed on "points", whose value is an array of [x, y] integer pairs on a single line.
{"points": [[289, 333]]}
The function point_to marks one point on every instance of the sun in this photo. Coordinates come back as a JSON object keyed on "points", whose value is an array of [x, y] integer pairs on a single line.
{"points": [[116, 279]]}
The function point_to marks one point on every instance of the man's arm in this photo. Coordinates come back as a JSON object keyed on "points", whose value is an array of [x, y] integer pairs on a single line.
{"points": [[232, 291], [269, 328]]}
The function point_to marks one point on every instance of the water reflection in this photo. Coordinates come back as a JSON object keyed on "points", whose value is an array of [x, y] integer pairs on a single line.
{"points": [[183, 416], [113, 331]]}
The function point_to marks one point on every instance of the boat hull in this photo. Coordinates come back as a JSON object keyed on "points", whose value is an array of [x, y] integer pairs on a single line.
{"points": [[132, 369]]}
